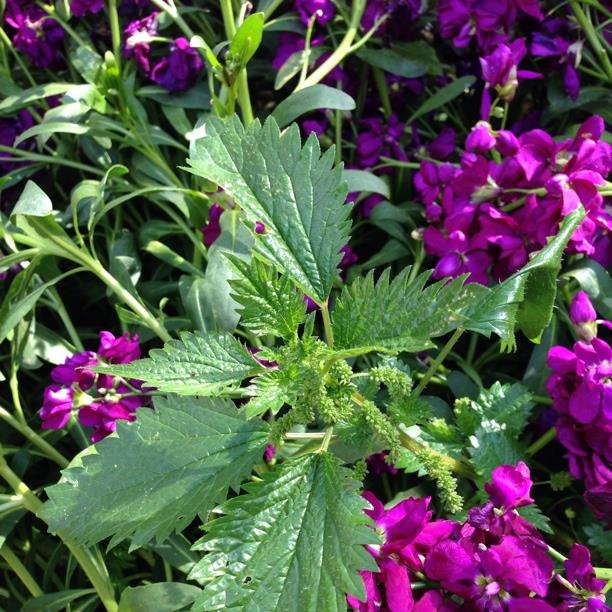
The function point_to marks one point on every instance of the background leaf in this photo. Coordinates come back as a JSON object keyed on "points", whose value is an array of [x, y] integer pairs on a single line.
{"points": [[159, 596]]}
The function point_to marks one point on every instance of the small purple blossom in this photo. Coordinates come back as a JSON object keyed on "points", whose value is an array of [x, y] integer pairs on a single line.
{"points": [[322, 10], [212, 230], [260, 228], [583, 316], [510, 486], [80, 8], [179, 70], [138, 37]]}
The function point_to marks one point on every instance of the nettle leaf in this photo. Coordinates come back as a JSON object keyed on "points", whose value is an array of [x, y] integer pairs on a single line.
{"points": [[197, 364], [491, 447], [508, 405], [293, 540], [534, 515], [524, 300], [398, 315], [271, 304], [294, 191], [173, 463]]}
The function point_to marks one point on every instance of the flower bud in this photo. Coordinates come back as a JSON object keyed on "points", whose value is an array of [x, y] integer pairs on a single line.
{"points": [[583, 317]]}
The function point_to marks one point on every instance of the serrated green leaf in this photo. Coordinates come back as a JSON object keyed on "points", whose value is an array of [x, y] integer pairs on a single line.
{"points": [[600, 539], [524, 300], [293, 190], [398, 315], [294, 540], [173, 463], [507, 405], [197, 364], [492, 447], [534, 515], [271, 304]]}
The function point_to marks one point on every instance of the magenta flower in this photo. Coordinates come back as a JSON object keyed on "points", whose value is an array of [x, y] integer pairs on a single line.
{"points": [[10, 128], [378, 139], [56, 408], [139, 34], [322, 10], [118, 350], [179, 70], [212, 230], [36, 34], [74, 371], [510, 486], [583, 316], [481, 138], [80, 8]]}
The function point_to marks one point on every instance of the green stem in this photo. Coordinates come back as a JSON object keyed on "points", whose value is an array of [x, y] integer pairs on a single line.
{"points": [[343, 49], [29, 434], [242, 84], [85, 558], [125, 296], [327, 325], [49, 159], [604, 573], [329, 432], [66, 320], [593, 38], [113, 15], [20, 569], [542, 441], [383, 91], [555, 554], [446, 349]]}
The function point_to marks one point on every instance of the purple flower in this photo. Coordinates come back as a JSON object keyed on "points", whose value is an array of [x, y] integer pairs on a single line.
{"points": [[510, 486], [118, 350], [138, 36], [260, 228], [10, 128], [323, 10], [269, 453], [212, 230], [349, 258], [80, 8], [37, 35], [443, 146], [180, 70], [378, 139], [481, 138], [377, 464], [395, 11], [103, 417], [56, 408], [74, 370], [599, 499], [583, 316]]}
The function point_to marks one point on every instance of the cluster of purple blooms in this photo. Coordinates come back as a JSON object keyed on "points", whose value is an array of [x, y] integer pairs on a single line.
{"points": [[509, 194], [100, 399], [581, 390], [495, 561], [38, 35]]}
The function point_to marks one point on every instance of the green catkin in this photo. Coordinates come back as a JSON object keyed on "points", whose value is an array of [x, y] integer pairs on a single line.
{"points": [[437, 469]]}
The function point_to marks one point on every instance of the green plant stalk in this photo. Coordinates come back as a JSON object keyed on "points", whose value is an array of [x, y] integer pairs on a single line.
{"points": [[327, 325], [66, 320], [113, 15], [21, 571], [31, 436], [446, 349], [50, 159], [98, 577], [542, 441], [592, 36], [343, 49], [242, 83]]}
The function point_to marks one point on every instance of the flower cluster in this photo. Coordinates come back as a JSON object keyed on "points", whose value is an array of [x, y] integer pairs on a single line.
{"points": [[509, 194], [581, 390], [494, 561], [100, 399], [177, 71]]}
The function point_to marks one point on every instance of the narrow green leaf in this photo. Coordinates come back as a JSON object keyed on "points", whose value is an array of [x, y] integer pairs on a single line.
{"points": [[443, 96], [309, 99], [361, 180], [293, 190], [152, 478], [391, 60], [172, 258], [270, 304], [53, 127], [294, 539], [33, 201], [13, 103], [159, 596], [54, 602], [247, 39]]}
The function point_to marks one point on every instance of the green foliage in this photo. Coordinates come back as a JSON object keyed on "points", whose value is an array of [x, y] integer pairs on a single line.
{"points": [[173, 463], [271, 304], [197, 364], [159, 596], [294, 539], [600, 540], [446, 483], [534, 515], [293, 190], [559, 481], [398, 315]]}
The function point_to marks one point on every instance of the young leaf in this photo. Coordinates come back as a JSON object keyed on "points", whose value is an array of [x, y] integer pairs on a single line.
{"points": [[33, 201], [173, 463], [247, 39], [197, 364], [270, 303], [398, 315], [294, 539], [443, 96], [292, 190]]}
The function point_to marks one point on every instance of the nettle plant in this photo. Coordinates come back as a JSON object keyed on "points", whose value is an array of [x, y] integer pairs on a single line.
{"points": [[325, 388]]}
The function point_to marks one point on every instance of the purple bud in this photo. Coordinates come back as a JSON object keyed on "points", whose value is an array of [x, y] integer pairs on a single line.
{"points": [[583, 317], [56, 408], [510, 486], [260, 228], [480, 139]]}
